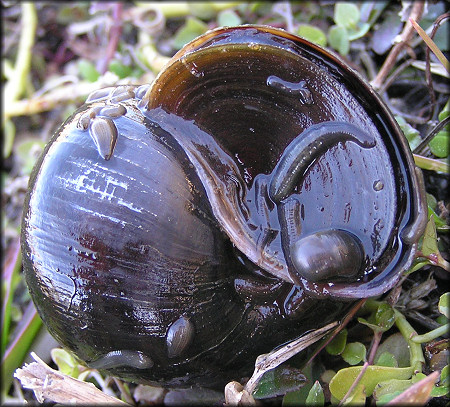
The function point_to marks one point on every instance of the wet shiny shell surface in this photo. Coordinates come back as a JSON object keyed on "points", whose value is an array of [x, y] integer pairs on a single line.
{"points": [[254, 91], [159, 221]]}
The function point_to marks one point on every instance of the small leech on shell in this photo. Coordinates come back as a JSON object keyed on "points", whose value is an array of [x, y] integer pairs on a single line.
{"points": [[179, 336], [119, 358], [104, 133]]}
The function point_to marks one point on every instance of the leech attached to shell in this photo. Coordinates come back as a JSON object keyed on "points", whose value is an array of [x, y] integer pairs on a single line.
{"points": [[104, 133], [179, 336], [314, 141], [122, 358], [295, 89]]}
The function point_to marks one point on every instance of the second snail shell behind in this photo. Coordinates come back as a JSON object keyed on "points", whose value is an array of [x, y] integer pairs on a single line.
{"points": [[191, 222]]}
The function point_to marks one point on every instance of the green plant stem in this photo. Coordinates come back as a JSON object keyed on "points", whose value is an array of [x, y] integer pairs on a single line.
{"points": [[431, 164], [429, 336], [415, 349], [17, 84], [174, 9]]}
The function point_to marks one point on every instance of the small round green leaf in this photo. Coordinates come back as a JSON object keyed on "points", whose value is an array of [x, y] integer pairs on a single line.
{"points": [[354, 353], [338, 39], [346, 14], [313, 34], [386, 359], [228, 18], [439, 146], [65, 362], [337, 345], [87, 70], [191, 29], [121, 70]]}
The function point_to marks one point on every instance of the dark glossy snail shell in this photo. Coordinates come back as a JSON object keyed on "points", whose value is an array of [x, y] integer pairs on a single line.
{"points": [[173, 232]]}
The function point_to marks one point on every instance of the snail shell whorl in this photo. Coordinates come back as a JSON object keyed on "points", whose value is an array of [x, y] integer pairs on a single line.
{"points": [[162, 203]]}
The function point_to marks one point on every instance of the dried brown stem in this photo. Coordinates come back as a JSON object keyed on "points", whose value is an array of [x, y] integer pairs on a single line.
{"points": [[405, 38], [114, 37], [49, 384], [428, 76], [430, 136]]}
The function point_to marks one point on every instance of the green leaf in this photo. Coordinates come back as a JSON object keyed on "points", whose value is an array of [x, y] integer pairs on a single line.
{"points": [[65, 362], [438, 221], [298, 397], [87, 70], [445, 112], [191, 29], [121, 70], [411, 134], [382, 320], [315, 395], [337, 345], [445, 378], [346, 15], [28, 152], [439, 145], [429, 244], [26, 332], [354, 353], [279, 381], [397, 346], [360, 31], [357, 398], [313, 34], [384, 317], [386, 359], [338, 39], [392, 387], [344, 378], [228, 18], [444, 304]]}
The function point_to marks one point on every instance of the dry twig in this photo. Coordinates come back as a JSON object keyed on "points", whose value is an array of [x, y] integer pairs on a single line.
{"points": [[49, 384], [405, 38]]}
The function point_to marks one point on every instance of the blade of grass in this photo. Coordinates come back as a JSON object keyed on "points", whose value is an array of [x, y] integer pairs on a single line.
{"points": [[444, 61], [18, 349], [10, 279], [431, 164]]}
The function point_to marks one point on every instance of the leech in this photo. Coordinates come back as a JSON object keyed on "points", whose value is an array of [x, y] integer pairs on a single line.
{"points": [[104, 133], [101, 94], [179, 336], [314, 141], [122, 358], [254, 287], [290, 220], [291, 88], [113, 111], [261, 197]]}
